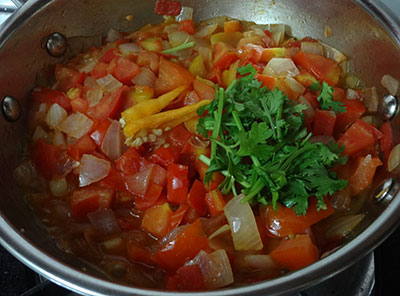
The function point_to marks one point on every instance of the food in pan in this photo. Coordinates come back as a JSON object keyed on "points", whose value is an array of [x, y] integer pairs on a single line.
{"points": [[195, 157]]}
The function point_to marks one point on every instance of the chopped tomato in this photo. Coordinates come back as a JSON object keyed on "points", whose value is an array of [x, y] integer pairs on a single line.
{"points": [[50, 97], [138, 253], [108, 56], [178, 137], [216, 179], [204, 90], [165, 7], [359, 135], [215, 202], [312, 99], [223, 57], [83, 145], [109, 105], [338, 94], [50, 160], [176, 218], [116, 181], [324, 122], [187, 26], [185, 246], [321, 67], [284, 221], [163, 156], [171, 76], [364, 173], [89, 199], [100, 70], [173, 283], [190, 277], [126, 70], [156, 220], [196, 198], [177, 183], [149, 198], [386, 141], [149, 59], [100, 131], [295, 253], [79, 105], [68, 78], [354, 110], [251, 52], [267, 81]]}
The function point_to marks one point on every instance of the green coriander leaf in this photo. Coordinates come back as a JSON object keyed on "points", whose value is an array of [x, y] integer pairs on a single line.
{"points": [[326, 101], [314, 86]]}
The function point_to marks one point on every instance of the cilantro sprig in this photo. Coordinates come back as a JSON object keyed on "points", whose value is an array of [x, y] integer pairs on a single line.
{"points": [[259, 142], [325, 97]]}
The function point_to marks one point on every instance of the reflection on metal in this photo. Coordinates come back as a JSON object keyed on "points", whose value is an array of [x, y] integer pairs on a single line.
{"points": [[56, 44], [10, 108], [385, 192], [389, 107]]}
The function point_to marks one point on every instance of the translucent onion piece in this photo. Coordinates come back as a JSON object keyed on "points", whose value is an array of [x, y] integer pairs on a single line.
{"points": [[206, 30], [129, 48], [90, 82], [371, 119], [243, 225], [294, 85], [219, 231], [196, 142], [92, 169], [334, 54], [94, 96], [177, 38], [40, 133], [342, 226], [260, 262], [312, 47], [206, 54], [394, 158], [278, 32], [59, 140], [222, 239], [371, 99], [309, 112], [146, 77], [112, 142], [185, 14], [391, 84], [279, 67], [58, 187], [113, 36], [352, 81], [341, 199], [351, 94], [55, 115], [254, 32], [76, 125], [104, 221], [171, 28], [88, 65], [138, 183], [215, 268], [109, 83]]}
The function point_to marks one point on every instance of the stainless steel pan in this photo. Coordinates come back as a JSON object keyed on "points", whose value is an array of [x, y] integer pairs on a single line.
{"points": [[361, 29]]}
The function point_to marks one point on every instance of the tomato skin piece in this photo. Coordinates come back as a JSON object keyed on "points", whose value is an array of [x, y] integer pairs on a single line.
{"points": [[360, 135], [177, 138], [100, 131], [386, 142], [184, 247], [324, 122], [364, 173], [296, 253], [267, 81], [196, 198], [224, 61], [50, 97], [156, 220], [190, 277], [177, 183], [100, 70], [284, 221], [109, 105], [131, 162], [163, 156], [49, 159], [321, 67], [126, 70], [150, 197], [354, 110], [187, 26], [215, 202], [165, 7], [108, 56], [177, 216], [204, 91], [84, 145]]}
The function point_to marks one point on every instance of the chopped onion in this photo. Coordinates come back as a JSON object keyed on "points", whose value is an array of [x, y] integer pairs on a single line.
{"points": [[146, 77], [351, 94], [58, 187], [371, 99], [206, 54], [40, 133], [94, 96], [196, 142], [243, 225], [294, 85], [109, 83], [112, 142], [312, 47], [261, 262], [206, 30], [88, 65], [170, 236], [278, 32], [341, 199], [371, 119], [278, 67], [76, 125], [222, 239], [90, 82], [92, 169], [309, 112], [104, 221], [138, 183], [215, 268], [171, 28], [55, 115], [113, 36], [129, 48], [185, 14], [391, 84], [352, 81], [212, 224], [59, 140], [394, 158], [334, 54], [254, 32], [342, 226], [177, 38]]}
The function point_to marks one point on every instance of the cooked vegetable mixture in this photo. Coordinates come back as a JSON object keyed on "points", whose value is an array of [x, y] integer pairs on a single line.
{"points": [[195, 157]]}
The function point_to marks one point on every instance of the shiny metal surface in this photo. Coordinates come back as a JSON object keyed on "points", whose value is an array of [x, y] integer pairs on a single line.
{"points": [[389, 107], [11, 108], [363, 38], [56, 44], [386, 191]]}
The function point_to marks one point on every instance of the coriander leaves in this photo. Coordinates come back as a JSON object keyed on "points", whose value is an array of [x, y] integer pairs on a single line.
{"points": [[260, 144], [325, 97]]}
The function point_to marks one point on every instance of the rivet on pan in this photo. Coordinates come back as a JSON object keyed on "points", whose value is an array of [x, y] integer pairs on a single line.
{"points": [[389, 107], [56, 44], [386, 191], [11, 108]]}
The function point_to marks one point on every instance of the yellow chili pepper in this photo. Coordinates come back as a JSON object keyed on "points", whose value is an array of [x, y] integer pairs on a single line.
{"points": [[150, 107], [170, 118]]}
